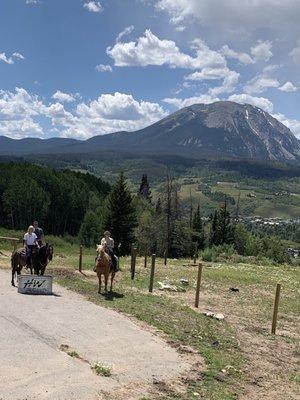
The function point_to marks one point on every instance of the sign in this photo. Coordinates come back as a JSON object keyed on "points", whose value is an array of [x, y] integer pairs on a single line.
{"points": [[35, 284]]}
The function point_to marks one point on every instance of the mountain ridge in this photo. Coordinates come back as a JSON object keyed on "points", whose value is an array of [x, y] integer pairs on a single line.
{"points": [[220, 129]]}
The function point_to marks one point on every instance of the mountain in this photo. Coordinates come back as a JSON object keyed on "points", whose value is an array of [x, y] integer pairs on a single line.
{"points": [[219, 130]]}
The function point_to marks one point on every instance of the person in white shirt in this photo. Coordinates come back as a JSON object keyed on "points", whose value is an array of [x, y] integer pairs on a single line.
{"points": [[109, 244], [30, 242]]}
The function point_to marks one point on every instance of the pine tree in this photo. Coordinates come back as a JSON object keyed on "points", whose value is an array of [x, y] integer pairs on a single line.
{"points": [[120, 216], [144, 190], [222, 230], [158, 207], [90, 229], [197, 230]]}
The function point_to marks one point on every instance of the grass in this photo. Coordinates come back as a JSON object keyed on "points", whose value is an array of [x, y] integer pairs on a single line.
{"points": [[73, 354], [101, 369], [218, 342]]}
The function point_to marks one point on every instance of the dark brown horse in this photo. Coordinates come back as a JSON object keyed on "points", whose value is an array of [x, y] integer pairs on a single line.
{"points": [[104, 267], [40, 258]]}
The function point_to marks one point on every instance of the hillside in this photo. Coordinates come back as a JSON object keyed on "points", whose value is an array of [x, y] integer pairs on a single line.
{"points": [[221, 129]]}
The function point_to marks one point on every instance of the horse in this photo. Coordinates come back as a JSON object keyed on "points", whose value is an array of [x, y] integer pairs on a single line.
{"points": [[104, 267], [40, 259]]}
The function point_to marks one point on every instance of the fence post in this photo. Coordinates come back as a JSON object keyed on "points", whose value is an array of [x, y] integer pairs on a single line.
{"points": [[165, 257], [152, 273], [198, 285], [146, 257], [80, 258], [15, 245], [133, 262], [276, 305]]}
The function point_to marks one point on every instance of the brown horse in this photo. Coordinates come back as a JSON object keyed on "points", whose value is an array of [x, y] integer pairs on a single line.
{"points": [[104, 267], [18, 261]]}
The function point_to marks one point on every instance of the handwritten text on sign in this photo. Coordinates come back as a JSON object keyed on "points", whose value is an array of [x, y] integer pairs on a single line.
{"points": [[35, 284]]}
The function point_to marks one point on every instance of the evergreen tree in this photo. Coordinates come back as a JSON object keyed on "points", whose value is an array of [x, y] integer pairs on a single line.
{"points": [[197, 230], [144, 190], [120, 216], [90, 230], [222, 230], [158, 207]]}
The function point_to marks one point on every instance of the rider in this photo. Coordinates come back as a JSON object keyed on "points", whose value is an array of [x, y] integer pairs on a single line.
{"points": [[109, 244], [39, 233], [30, 241]]}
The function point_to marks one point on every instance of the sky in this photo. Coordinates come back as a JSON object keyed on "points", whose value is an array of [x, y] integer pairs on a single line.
{"points": [[80, 68]]}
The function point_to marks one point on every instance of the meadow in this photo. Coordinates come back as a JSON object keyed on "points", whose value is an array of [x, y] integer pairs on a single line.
{"points": [[241, 358]]}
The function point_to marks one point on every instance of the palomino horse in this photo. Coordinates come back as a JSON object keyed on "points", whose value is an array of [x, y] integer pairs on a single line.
{"points": [[104, 267]]}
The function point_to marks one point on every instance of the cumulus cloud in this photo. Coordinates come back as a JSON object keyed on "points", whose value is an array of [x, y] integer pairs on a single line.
{"points": [[32, 1], [125, 32], [261, 83], [295, 54], [150, 50], [288, 87], [12, 58], [260, 102], [262, 51], [247, 15], [180, 103], [93, 6], [63, 97], [243, 58], [103, 68], [20, 113]]}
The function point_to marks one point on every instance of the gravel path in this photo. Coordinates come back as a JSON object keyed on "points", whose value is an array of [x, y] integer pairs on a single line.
{"points": [[33, 366]]}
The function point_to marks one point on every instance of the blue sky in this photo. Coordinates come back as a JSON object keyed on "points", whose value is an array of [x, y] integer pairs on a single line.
{"points": [[79, 68]]}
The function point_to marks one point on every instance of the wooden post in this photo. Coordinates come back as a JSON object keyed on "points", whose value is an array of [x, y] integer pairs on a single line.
{"points": [[80, 258], [198, 285], [133, 262], [146, 257], [195, 258], [276, 305], [15, 245], [152, 273], [165, 257]]}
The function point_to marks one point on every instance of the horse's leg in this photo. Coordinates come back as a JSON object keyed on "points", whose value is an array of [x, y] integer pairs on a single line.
{"points": [[106, 280], [99, 278], [13, 271], [112, 280]]}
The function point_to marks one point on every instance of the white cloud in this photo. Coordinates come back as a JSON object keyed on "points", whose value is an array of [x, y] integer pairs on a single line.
{"points": [[125, 32], [63, 97], [12, 58], [260, 102], [180, 28], [244, 58], [201, 99], [260, 83], [93, 6], [227, 15], [293, 124], [295, 54], [150, 50], [103, 68], [288, 87], [32, 1], [230, 79], [262, 50], [20, 113]]}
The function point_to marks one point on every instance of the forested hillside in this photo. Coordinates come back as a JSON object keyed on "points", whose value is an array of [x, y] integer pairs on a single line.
{"points": [[57, 199]]}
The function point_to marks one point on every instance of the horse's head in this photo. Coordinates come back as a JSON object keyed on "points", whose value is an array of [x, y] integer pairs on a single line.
{"points": [[50, 251], [100, 249]]}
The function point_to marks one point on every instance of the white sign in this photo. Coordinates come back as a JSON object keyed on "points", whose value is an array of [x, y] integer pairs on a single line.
{"points": [[35, 284]]}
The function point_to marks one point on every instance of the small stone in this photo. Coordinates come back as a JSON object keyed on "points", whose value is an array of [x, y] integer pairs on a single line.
{"points": [[219, 317], [196, 394]]}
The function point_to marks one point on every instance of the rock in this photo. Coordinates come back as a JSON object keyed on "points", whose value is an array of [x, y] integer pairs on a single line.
{"points": [[217, 316], [168, 287], [184, 281], [233, 289], [187, 349]]}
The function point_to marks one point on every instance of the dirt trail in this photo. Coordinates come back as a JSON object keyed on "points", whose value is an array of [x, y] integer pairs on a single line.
{"points": [[33, 366]]}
